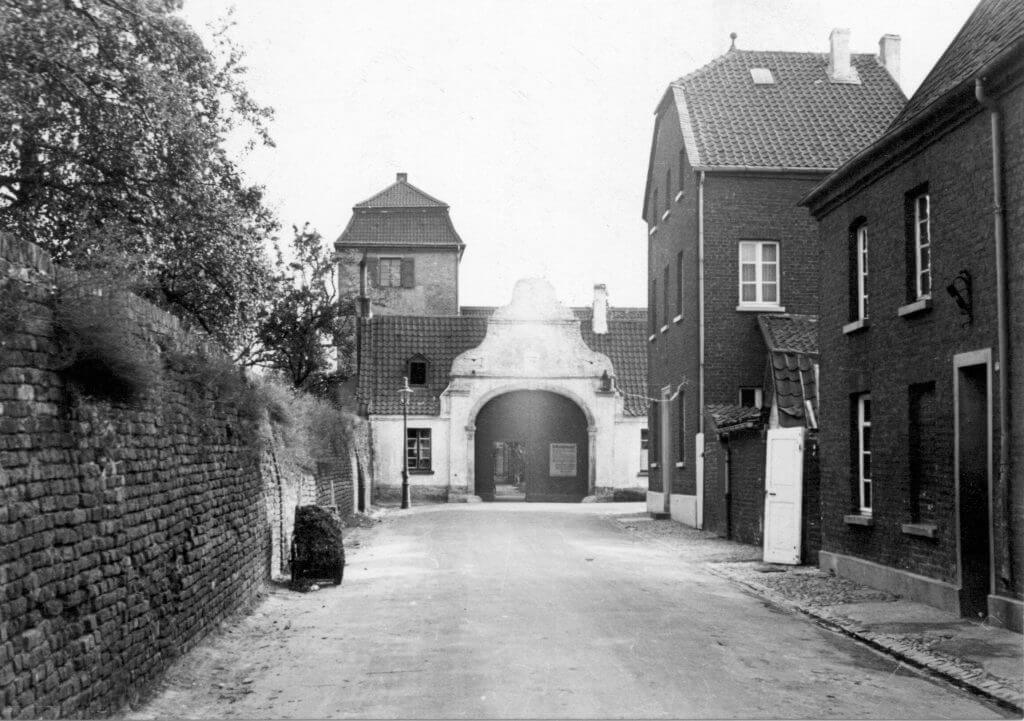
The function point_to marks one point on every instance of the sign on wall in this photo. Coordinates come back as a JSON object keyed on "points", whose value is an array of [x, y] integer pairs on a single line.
{"points": [[563, 460]]}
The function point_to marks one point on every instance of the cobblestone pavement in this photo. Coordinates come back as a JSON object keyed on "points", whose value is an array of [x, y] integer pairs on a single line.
{"points": [[973, 655]]}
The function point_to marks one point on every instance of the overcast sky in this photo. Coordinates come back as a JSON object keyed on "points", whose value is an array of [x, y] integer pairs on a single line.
{"points": [[532, 119]]}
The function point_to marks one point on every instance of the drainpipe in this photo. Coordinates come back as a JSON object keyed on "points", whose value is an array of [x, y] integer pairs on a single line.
{"points": [[1002, 324], [700, 299]]}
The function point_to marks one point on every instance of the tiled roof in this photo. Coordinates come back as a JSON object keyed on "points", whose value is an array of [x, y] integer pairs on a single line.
{"points": [[400, 227], [993, 27], [390, 341], [401, 194], [792, 342], [801, 121], [625, 344], [789, 332], [729, 417]]}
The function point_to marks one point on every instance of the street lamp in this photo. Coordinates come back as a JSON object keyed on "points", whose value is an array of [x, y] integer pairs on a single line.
{"points": [[405, 392]]}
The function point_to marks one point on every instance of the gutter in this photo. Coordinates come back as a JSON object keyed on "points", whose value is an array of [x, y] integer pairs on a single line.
{"points": [[768, 170], [1002, 325]]}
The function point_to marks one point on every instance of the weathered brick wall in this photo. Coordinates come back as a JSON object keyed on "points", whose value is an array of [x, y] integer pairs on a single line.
{"points": [[286, 485], [810, 535], [334, 484], [897, 354], [128, 530]]}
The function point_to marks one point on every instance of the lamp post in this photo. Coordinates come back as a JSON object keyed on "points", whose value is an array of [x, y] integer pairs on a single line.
{"points": [[405, 392]]}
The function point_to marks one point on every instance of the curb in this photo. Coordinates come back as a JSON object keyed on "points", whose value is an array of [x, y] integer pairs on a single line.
{"points": [[991, 688]]}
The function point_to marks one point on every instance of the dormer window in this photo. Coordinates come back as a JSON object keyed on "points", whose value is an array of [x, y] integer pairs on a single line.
{"points": [[762, 76], [418, 371]]}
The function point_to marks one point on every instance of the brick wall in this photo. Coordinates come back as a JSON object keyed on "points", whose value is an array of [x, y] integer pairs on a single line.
{"points": [[901, 360], [810, 535], [128, 530]]}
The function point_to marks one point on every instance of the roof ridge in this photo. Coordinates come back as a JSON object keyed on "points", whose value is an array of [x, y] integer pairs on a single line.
{"points": [[407, 184]]}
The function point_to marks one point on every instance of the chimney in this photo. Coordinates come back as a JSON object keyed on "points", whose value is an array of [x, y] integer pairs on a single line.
{"points": [[402, 177], [889, 55], [839, 56], [599, 320]]}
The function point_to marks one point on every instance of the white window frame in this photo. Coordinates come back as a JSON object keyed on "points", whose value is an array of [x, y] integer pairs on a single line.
{"points": [[863, 481], [380, 272], [758, 396], [922, 241], [759, 282], [418, 449], [862, 272]]}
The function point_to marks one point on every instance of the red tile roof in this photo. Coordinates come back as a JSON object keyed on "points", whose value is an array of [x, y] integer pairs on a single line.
{"points": [[390, 341], [400, 227], [801, 121], [401, 194], [994, 26], [729, 417], [792, 342]]}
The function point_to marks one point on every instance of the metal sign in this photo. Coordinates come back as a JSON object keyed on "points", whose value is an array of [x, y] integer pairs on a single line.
{"points": [[563, 460]]}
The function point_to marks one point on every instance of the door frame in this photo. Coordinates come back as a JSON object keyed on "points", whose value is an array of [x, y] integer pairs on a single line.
{"points": [[982, 357]]}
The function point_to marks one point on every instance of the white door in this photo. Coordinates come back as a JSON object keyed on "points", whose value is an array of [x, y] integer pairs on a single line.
{"points": [[783, 495]]}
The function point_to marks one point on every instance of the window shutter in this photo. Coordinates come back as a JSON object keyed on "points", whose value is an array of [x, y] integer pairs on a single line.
{"points": [[372, 278], [408, 273]]}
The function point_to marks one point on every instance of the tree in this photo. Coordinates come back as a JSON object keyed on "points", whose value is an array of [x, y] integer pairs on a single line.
{"points": [[308, 318], [113, 121]]}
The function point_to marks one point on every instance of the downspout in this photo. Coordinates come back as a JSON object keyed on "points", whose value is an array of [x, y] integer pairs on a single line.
{"points": [[700, 301], [1002, 325]]}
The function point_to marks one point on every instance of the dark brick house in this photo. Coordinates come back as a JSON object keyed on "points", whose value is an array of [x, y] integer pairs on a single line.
{"points": [[736, 145], [921, 336]]}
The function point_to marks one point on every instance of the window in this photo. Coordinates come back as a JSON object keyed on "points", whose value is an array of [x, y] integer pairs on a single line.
{"points": [[679, 284], [682, 169], [751, 397], [666, 311], [654, 208], [862, 271], [762, 76], [864, 452], [681, 410], [668, 189], [389, 273], [645, 441], [417, 449], [418, 371], [922, 246], [759, 273], [653, 306]]}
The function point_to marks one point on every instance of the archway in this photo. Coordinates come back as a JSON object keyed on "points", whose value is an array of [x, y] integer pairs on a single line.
{"points": [[531, 445]]}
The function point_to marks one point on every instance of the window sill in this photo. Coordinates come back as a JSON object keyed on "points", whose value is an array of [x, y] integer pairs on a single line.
{"points": [[664, 329], [679, 196], [652, 231], [680, 464], [420, 473], [666, 215], [857, 325], [761, 308], [924, 530], [918, 306], [641, 473], [653, 337], [654, 465], [858, 519], [678, 319]]}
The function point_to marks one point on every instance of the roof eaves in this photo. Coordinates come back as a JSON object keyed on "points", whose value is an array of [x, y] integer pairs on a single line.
{"points": [[686, 127]]}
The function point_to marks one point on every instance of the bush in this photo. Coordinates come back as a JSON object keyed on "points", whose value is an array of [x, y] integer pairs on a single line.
{"points": [[318, 551], [101, 347]]}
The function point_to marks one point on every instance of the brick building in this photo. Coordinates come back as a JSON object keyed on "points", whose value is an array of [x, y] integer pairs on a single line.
{"points": [[921, 453], [530, 401], [736, 144]]}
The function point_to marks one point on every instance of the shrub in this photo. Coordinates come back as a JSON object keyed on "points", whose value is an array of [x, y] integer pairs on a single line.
{"points": [[101, 347]]}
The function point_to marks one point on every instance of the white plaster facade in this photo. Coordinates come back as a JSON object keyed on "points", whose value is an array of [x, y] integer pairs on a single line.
{"points": [[534, 343]]}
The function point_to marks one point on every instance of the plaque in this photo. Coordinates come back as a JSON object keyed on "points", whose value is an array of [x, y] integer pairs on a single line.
{"points": [[563, 460]]}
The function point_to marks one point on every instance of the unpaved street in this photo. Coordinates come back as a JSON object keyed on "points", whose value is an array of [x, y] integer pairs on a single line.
{"points": [[536, 610]]}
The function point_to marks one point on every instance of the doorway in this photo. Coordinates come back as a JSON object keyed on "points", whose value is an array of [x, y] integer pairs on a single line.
{"points": [[973, 466], [531, 446]]}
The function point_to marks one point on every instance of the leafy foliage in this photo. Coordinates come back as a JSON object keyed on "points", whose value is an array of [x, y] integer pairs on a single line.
{"points": [[307, 320], [113, 123]]}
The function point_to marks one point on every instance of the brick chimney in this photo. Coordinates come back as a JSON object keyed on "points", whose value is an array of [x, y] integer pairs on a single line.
{"points": [[889, 55], [599, 320], [402, 177], [839, 69]]}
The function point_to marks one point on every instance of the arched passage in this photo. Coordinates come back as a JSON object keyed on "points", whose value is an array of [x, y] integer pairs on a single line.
{"points": [[535, 442]]}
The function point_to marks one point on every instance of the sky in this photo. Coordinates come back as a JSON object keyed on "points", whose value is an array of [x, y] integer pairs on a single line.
{"points": [[532, 119]]}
